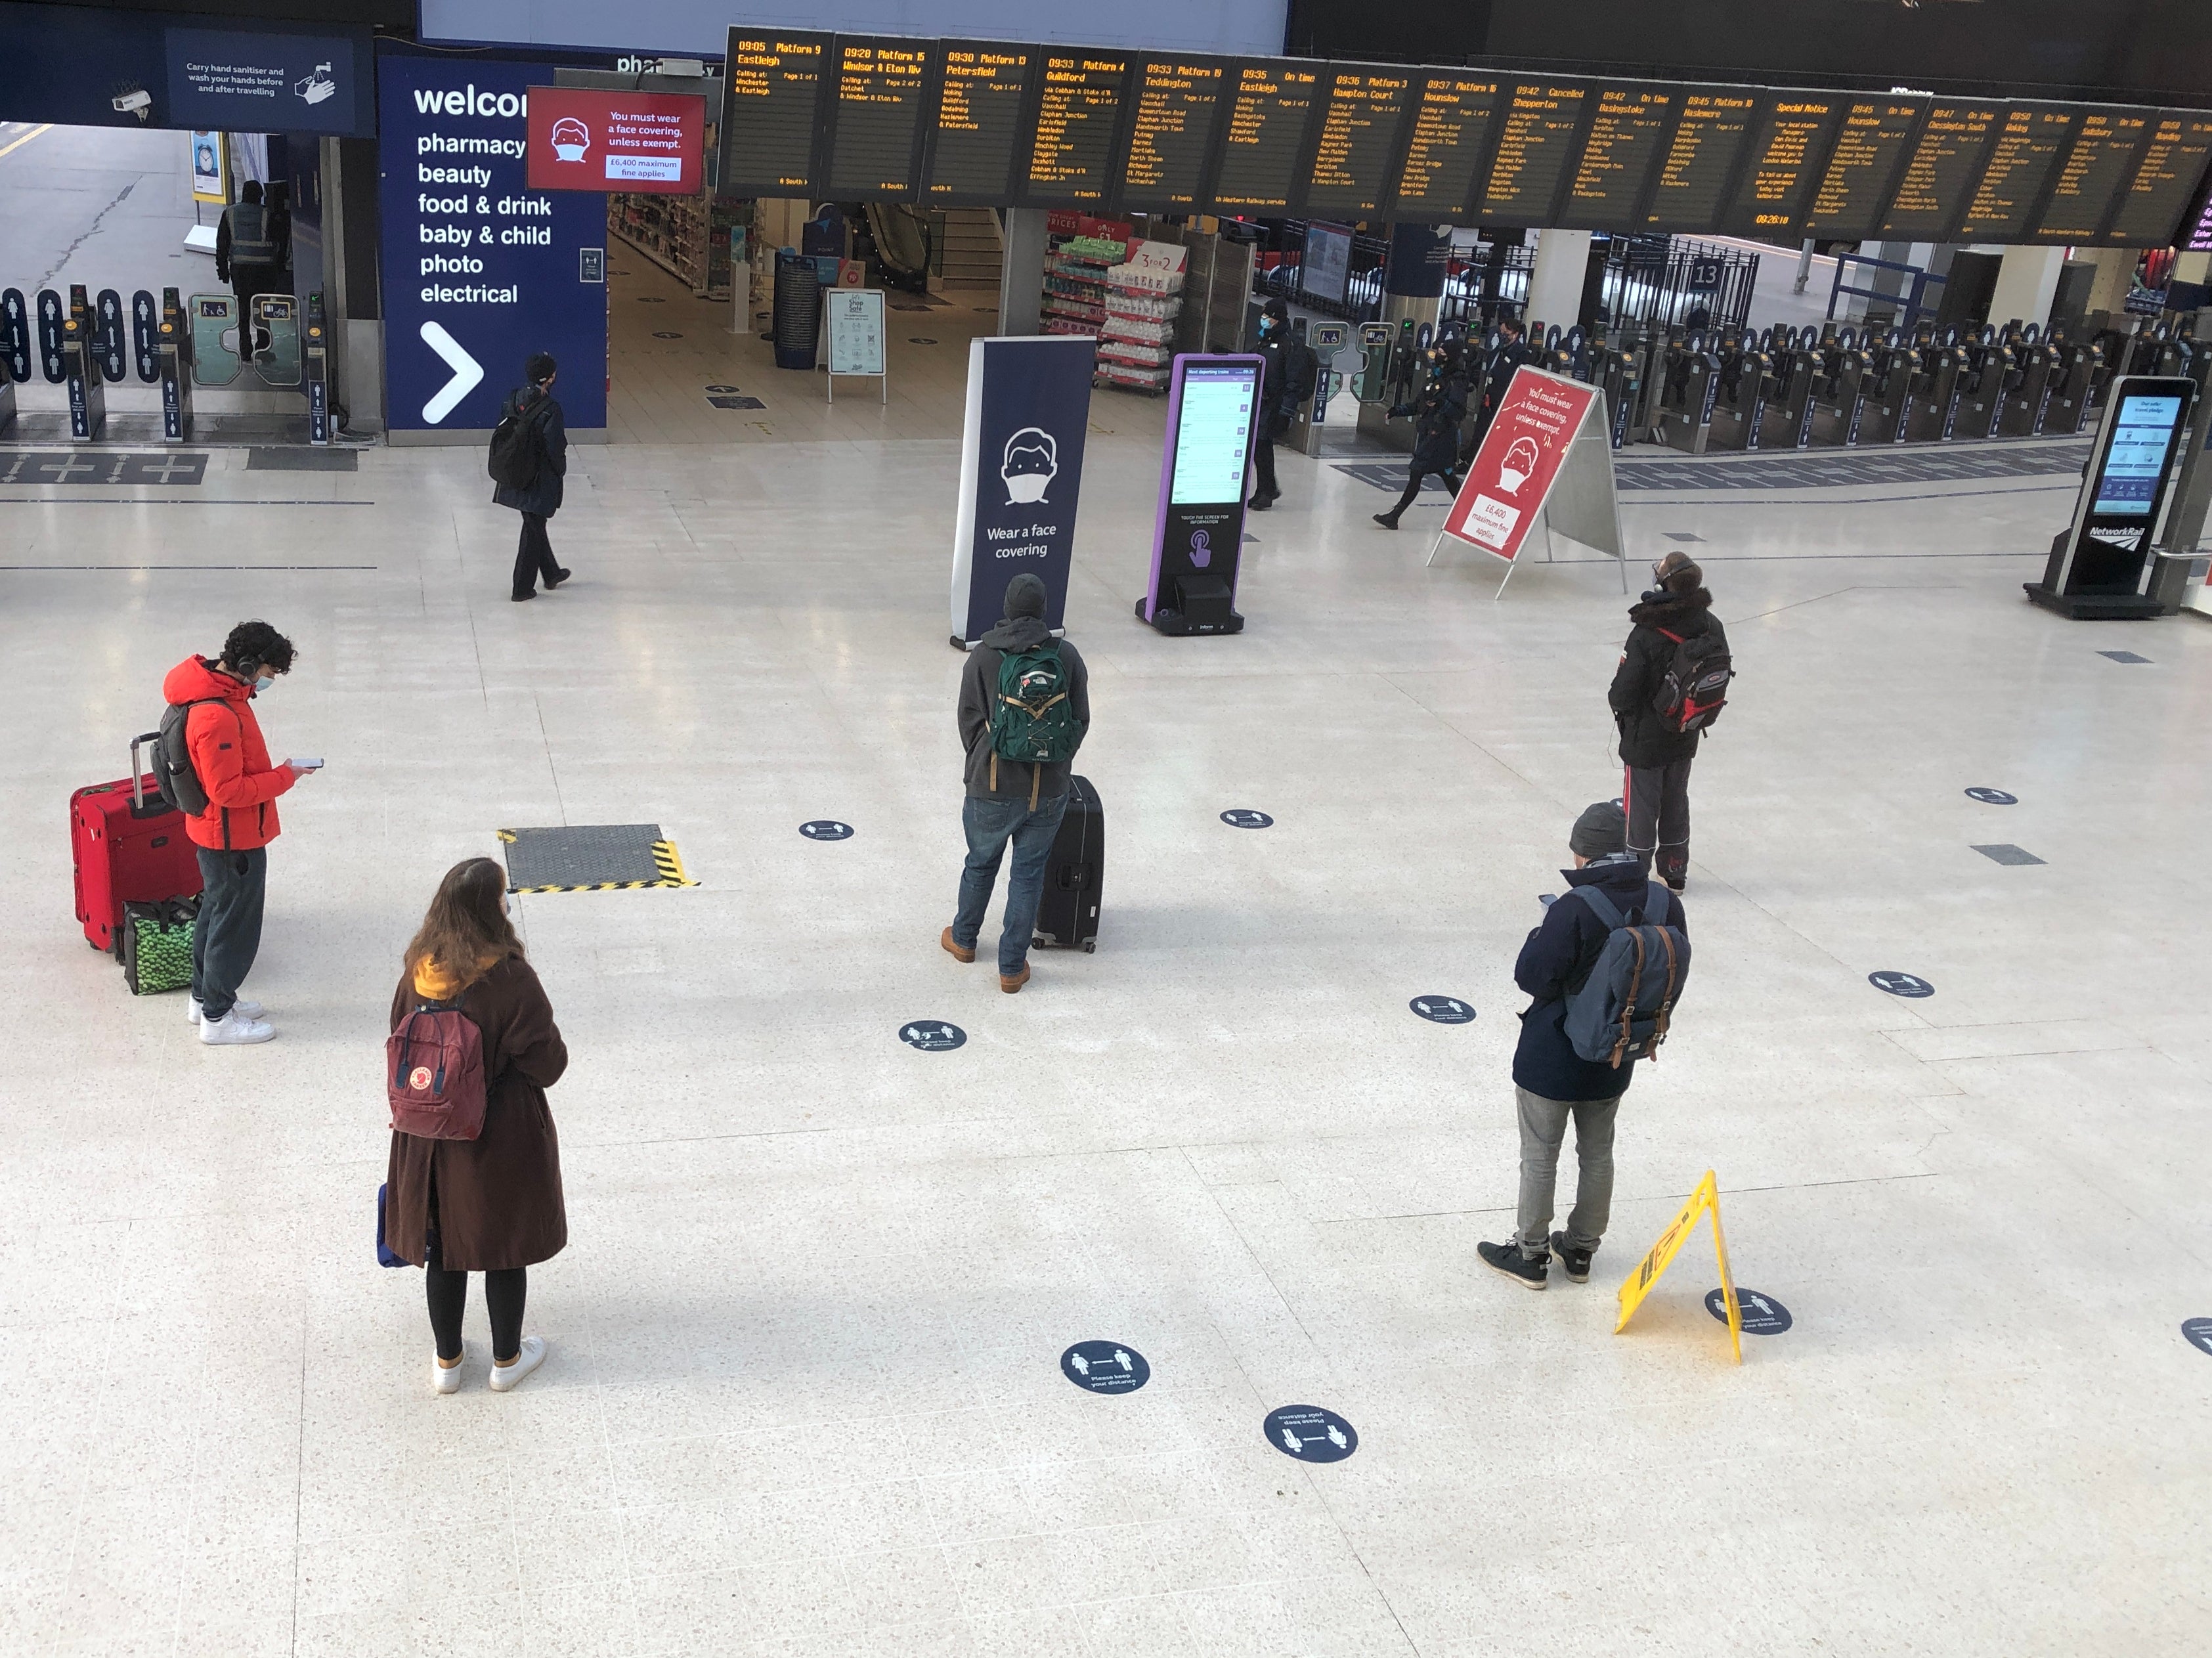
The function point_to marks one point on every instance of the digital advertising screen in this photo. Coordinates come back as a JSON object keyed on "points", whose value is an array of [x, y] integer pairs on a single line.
{"points": [[2166, 179], [1213, 435], [1709, 139], [1363, 113], [2029, 147], [1789, 147], [1932, 194], [1263, 161], [1178, 107], [2142, 432], [1447, 146], [2097, 165], [876, 104], [771, 105], [1627, 136], [1070, 153], [1854, 185], [1535, 141], [1325, 269], [974, 136]]}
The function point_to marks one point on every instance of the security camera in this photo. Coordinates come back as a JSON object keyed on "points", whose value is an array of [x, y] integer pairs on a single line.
{"points": [[137, 101]]}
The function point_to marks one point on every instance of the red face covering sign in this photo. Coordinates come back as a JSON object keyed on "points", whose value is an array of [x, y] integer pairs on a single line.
{"points": [[586, 138], [1520, 457]]}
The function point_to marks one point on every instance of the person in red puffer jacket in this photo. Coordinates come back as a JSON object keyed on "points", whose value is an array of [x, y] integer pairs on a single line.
{"points": [[232, 836]]}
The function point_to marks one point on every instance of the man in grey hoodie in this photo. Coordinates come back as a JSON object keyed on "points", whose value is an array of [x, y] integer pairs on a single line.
{"points": [[1010, 800]]}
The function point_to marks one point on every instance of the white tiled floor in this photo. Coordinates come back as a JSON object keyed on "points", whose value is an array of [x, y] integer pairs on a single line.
{"points": [[804, 1396]]}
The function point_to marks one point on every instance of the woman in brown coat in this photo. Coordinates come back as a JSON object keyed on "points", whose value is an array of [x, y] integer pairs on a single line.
{"points": [[492, 1204]]}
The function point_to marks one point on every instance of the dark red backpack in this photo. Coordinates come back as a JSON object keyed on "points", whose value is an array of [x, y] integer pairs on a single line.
{"points": [[1694, 689], [433, 1074]]}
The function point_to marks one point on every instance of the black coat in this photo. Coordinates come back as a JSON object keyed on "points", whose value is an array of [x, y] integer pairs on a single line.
{"points": [[544, 414], [1438, 409], [1645, 739], [1511, 355], [1273, 350], [1554, 961]]}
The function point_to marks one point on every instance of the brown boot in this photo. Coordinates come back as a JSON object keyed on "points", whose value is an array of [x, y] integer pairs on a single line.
{"points": [[954, 949], [1011, 985]]}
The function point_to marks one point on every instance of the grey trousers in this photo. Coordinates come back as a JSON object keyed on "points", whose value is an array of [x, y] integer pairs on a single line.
{"points": [[1543, 1131], [1657, 801], [227, 934]]}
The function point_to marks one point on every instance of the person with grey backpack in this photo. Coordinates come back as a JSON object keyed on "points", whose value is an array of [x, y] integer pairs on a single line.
{"points": [[1606, 969], [1024, 707]]}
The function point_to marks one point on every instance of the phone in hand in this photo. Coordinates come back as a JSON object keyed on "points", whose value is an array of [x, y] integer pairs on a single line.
{"points": [[305, 764]]}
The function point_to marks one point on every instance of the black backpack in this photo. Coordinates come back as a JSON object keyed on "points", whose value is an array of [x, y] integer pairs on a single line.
{"points": [[1694, 689], [515, 445], [173, 776], [1301, 372]]}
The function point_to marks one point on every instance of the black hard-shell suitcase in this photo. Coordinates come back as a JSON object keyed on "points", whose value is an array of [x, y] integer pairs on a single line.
{"points": [[1067, 915]]}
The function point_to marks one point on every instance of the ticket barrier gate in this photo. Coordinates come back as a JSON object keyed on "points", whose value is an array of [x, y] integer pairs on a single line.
{"points": [[1891, 367], [1741, 404], [1371, 382], [215, 360], [1839, 392], [275, 321], [1685, 403], [1619, 375], [1989, 371], [2079, 381], [317, 366], [2027, 403], [173, 369], [1324, 339], [87, 387], [7, 392], [1787, 420], [1932, 413]]}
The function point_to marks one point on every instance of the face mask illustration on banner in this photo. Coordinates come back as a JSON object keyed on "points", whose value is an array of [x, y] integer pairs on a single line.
{"points": [[1032, 460]]}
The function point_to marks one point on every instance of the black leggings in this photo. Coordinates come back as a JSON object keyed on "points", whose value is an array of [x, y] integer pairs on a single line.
{"points": [[448, 1294], [1414, 488]]}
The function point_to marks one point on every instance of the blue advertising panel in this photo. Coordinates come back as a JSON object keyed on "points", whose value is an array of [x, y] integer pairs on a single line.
{"points": [[230, 81], [479, 270], [1021, 470]]}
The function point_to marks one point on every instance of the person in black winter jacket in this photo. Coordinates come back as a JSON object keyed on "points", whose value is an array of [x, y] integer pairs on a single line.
{"points": [[534, 404], [1656, 787], [1291, 374], [1436, 410], [1512, 352], [1554, 1084]]}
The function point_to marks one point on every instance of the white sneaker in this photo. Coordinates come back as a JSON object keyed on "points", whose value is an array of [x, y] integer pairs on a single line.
{"points": [[251, 1010], [235, 1029], [504, 1376], [446, 1379]]}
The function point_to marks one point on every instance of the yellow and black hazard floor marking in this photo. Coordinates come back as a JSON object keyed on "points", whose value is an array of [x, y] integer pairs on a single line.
{"points": [[592, 858]]}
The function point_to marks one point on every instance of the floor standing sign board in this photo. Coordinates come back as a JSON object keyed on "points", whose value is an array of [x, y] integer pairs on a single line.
{"points": [[1199, 529], [1547, 459], [2097, 562], [853, 335], [1021, 473]]}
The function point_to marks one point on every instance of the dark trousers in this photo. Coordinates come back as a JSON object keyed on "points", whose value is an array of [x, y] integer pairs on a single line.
{"points": [[533, 558], [991, 826], [1657, 800], [448, 1294], [1414, 476], [1263, 461], [227, 934]]}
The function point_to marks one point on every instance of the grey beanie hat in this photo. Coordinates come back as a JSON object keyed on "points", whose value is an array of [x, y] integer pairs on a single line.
{"points": [[1601, 830], [1025, 596]]}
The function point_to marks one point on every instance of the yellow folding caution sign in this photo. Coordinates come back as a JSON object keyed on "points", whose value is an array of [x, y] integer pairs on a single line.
{"points": [[1638, 1282]]}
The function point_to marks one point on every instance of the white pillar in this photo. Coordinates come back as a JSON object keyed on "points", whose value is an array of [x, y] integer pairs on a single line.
{"points": [[1021, 271], [2028, 281], [1555, 287]]}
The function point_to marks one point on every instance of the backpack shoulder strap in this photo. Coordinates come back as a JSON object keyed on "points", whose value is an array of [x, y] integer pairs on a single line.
{"points": [[1655, 905], [1606, 910]]}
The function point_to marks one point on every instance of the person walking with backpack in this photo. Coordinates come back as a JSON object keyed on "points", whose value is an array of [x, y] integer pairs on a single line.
{"points": [[1438, 408], [1288, 381], [1024, 706], [214, 766], [1669, 689], [529, 459], [491, 1204], [1603, 971]]}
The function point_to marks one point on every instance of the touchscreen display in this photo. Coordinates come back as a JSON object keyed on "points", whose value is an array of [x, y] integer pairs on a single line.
{"points": [[2142, 431], [1212, 436]]}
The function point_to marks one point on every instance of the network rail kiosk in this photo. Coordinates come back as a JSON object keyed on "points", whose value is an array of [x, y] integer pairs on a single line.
{"points": [[1213, 415]]}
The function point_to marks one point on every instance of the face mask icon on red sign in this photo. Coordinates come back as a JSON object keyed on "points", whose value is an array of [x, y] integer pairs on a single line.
{"points": [[571, 138]]}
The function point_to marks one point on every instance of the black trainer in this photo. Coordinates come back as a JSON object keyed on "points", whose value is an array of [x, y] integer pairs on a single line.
{"points": [[1576, 1262], [1507, 1258], [1385, 520]]}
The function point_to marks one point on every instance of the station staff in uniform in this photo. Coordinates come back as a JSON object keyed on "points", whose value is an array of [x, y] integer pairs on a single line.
{"points": [[1512, 352], [252, 251]]}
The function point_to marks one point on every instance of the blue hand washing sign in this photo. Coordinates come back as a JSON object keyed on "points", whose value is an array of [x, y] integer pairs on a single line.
{"points": [[479, 271]]}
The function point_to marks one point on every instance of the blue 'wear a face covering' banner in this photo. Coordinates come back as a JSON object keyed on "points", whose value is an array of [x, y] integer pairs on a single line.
{"points": [[1021, 470]]}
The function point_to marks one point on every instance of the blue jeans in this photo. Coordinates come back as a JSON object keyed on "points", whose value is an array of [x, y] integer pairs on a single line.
{"points": [[990, 824]]}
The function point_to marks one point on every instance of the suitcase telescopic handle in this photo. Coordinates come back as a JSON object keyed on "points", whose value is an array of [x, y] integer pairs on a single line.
{"points": [[137, 773]]}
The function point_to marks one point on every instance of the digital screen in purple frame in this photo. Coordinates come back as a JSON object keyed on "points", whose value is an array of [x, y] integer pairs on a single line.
{"points": [[1212, 405]]}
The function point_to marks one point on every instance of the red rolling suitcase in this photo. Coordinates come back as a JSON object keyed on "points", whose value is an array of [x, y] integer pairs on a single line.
{"points": [[130, 848]]}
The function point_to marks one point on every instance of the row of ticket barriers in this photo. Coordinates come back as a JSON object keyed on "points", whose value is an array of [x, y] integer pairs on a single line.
{"points": [[1821, 385], [211, 340]]}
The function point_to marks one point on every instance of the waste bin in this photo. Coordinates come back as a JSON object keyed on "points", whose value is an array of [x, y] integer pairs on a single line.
{"points": [[798, 310]]}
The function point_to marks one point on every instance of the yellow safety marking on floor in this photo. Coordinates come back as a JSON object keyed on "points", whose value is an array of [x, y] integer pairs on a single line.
{"points": [[1638, 1282], [507, 835], [665, 859], [27, 138], [671, 865]]}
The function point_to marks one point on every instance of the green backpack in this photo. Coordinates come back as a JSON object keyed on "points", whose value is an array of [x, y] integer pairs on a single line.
{"points": [[1032, 721]]}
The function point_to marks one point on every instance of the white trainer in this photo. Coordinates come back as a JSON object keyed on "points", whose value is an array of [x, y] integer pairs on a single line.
{"points": [[446, 1378], [504, 1376], [251, 1010], [235, 1029]]}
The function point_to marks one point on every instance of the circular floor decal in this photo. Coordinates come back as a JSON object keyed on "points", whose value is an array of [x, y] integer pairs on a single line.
{"points": [[1762, 1315], [2199, 1334], [1241, 818], [725, 390], [931, 1036], [1105, 1367], [920, 339], [1993, 797], [1311, 1434], [664, 334], [826, 829], [1443, 1010], [1901, 984]]}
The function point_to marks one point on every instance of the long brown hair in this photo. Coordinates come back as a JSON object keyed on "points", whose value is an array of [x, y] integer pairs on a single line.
{"points": [[466, 933]]}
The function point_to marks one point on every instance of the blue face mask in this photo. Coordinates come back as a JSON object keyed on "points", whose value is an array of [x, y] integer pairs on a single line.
{"points": [[262, 683]]}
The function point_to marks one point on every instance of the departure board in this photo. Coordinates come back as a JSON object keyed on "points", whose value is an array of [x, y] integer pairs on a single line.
{"points": [[1363, 112], [1263, 161], [876, 112], [1178, 102], [2028, 148], [1709, 140], [1627, 136], [2166, 179], [1932, 194], [975, 136], [1452, 116], [2097, 167], [1535, 141], [1070, 153], [767, 121], [1788, 149], [1854, 185]]}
